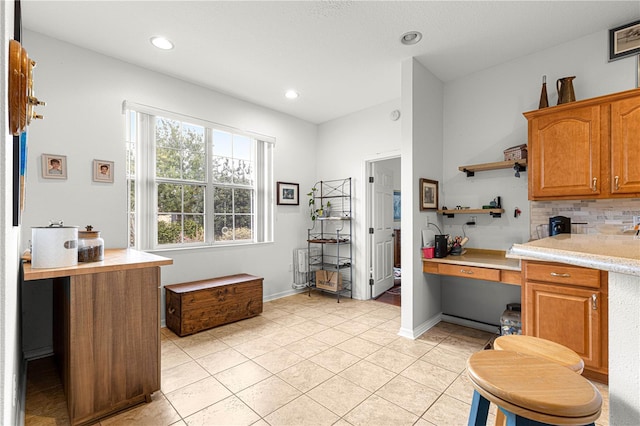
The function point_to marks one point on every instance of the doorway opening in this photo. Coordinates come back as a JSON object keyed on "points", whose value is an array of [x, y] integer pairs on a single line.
{"points": [[383, 221]]}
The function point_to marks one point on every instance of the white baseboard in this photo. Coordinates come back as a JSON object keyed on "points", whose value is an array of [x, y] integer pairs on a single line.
{"points": [[420, 329], [472, 324]]}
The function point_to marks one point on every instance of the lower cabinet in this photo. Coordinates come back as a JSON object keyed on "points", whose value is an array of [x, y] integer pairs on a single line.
{"points": [[107, 340], [568, 305]]}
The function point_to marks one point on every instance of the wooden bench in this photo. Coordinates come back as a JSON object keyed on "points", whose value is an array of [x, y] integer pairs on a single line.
{"points": [[195, 306]]}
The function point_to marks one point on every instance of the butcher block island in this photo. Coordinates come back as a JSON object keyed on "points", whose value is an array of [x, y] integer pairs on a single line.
{"points": [[106, 331], [200, 305]]}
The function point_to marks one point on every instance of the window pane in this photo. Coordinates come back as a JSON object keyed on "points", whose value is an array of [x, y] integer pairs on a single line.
{"points": [[132, 230], [168, 133], [193, 228], [242, 147], [193, 199], [193, 165], [193, 155], [168, 163], [222, 170], [223, 227], [244, 229], [243, 172], [243, 201], [169, 198], [169, 228], [222, 200], [222, 144]]}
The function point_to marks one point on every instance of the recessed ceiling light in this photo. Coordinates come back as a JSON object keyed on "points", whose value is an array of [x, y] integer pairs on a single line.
{"points": [[412, 37], [161, 43], [291, 94]]}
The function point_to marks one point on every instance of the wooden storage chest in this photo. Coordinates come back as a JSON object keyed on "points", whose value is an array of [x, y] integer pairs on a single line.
{"points": [[200, 305]]}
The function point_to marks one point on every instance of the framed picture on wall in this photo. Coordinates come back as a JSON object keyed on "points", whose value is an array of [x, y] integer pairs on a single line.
{"points": [[396, 205], [428, 194], [624, 41], [54, 166], [103, 171], [288, 193]]}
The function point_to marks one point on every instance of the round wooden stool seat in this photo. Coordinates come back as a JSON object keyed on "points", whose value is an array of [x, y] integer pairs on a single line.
{"points": [[542, 348], [534, 388]]}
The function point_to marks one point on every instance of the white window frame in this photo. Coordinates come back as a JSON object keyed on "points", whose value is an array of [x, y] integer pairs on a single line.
{"points": [[145, 181]]}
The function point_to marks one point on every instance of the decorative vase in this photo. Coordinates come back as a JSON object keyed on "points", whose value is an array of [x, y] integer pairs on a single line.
{"points": [[544, 100]]}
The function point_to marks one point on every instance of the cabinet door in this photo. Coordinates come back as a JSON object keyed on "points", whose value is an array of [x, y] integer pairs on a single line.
{"points": [[564, 153], [625, 146], [113, 354], [566, 315]]}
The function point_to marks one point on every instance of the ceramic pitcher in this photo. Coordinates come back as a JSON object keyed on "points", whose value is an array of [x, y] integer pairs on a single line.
{"points": [[565, 90]]}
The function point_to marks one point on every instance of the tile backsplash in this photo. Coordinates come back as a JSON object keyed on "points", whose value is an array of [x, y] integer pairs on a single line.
{"points": [[611, 216]]}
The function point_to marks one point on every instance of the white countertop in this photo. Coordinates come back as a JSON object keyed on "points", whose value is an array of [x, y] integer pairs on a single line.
{"points": [[614, 253]]}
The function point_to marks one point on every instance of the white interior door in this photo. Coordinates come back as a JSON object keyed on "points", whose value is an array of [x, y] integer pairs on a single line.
{"points": [[382, 224]]}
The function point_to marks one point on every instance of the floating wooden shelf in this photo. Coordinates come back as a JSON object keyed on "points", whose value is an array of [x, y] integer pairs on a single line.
{"points": [[517, 165], [492, 212]]}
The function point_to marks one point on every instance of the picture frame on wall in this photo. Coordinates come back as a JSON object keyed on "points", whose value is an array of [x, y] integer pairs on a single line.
{"points": [[54, 166], [396, 206], [288, 193], [428, 194], [624, 41], [103, 171]]}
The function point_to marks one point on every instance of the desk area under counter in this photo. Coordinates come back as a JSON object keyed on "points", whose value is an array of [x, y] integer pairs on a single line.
{"points": [[480, 264]]}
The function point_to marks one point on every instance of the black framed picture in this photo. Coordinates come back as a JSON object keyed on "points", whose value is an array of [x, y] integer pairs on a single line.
{"points": [[428, 194], [624, 41], [288, 193]]}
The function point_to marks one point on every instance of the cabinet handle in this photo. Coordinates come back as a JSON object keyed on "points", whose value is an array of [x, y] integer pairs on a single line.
{"points": [[464, 271], [594, 187], [556, 274], [616, 180], [171, 310], [594, 302]]}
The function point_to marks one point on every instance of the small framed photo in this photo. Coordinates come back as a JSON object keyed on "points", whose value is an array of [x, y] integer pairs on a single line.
{"points": [[103, 171], [624, 41], [396, 206], [428, 194], [54, 166], [288, 193]]}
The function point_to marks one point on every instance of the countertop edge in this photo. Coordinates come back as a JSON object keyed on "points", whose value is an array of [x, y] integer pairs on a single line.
{"points": [[588, 260], [482, 262], [114, 259]]}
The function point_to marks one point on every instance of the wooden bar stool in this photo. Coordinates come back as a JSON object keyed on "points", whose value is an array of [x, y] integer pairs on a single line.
{"points": [[530, 390], [543, 348]]}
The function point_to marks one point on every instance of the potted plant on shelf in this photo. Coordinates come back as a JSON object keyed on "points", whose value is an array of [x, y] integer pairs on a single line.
{"points": [[321, 210]]}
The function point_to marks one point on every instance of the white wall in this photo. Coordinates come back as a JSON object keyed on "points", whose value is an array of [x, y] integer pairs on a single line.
{"points": [[344, 145], [83, 120], [422, 102], [10, 350], [482, 117]]}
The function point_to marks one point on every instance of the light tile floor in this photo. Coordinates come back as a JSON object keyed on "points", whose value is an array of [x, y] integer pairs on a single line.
{"points": [[304, 361]]}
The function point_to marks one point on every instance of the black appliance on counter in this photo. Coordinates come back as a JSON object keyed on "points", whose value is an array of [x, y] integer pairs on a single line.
{"points": [[559, 225], [441, 249]]}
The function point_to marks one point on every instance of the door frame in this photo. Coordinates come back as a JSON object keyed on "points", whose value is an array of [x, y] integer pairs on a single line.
{"points": [[368, 207]]}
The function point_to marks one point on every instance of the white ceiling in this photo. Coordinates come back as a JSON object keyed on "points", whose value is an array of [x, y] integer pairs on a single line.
{"points": [[342, 56]]}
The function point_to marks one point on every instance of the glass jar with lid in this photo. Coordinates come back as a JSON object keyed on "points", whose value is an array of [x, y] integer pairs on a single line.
{"points": [[90, 245]]}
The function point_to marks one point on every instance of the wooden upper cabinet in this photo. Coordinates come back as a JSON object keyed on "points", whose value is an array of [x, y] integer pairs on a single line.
{"points": [[565, 158], [625, 146], [586, 149]]}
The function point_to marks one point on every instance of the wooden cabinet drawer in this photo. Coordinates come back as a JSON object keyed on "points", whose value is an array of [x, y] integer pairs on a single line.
{"points": [[469, 272], [562, 274]]}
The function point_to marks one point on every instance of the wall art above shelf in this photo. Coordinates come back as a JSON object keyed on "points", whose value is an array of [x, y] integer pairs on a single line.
{"points": [[517, 165], [453, 212]]}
